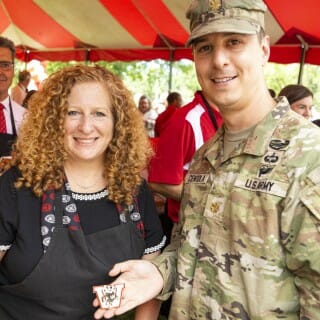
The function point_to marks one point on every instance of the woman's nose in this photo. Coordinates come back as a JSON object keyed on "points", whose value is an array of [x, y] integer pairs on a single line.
{"points": [[308, 113], [86, 123]]}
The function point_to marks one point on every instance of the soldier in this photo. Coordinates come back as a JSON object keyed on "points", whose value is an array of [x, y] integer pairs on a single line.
{"points": [[249, 240]]}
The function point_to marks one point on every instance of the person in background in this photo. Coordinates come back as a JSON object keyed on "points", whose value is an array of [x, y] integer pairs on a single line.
{"points": [[272, 93], [19, 92], [316, 122], [174, 102], [248, 241], [185, 132], [149, 115], [73, 202], [300, 99], [28, 96], [11, 113], [187, 129]]}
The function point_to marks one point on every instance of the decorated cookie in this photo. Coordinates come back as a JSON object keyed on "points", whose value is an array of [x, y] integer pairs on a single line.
{"points": [[109, 296]]}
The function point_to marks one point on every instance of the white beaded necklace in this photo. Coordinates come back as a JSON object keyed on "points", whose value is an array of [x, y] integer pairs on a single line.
{"points": [[90, 196]]}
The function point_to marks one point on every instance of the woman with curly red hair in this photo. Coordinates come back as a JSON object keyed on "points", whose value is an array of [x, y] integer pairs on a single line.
{"points": [[73, 202]]}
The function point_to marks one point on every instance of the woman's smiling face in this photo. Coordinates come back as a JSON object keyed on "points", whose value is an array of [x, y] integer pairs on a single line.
{"points": [[88, 123]]}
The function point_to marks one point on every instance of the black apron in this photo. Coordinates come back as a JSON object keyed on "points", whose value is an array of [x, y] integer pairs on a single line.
{"points": [[7, 139], [60, 286]]}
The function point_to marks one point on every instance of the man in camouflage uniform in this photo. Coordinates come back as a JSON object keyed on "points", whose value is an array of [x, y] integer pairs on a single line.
{"points": [[249, 239]]}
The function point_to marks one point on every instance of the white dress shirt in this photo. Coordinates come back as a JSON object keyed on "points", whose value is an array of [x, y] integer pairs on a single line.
{"points": [[18, 114]]}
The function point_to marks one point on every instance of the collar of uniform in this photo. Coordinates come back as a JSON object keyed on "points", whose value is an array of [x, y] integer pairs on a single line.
{"points": [[257, 142], [212, 150]]}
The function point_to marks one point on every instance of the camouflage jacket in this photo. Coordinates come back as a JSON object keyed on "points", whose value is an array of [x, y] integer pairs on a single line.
{"points": [[249, 240]]}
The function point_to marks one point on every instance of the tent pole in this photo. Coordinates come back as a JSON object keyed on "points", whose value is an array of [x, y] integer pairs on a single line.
{"points": [[170, 70], [304, 49], [87, 56]]}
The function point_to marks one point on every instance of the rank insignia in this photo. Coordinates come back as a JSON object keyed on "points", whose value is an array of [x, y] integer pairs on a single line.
{"points": [[216, 6], [215, 207]]}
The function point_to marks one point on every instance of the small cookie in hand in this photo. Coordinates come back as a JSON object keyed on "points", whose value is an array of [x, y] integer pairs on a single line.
{"points": [[109, 296]]}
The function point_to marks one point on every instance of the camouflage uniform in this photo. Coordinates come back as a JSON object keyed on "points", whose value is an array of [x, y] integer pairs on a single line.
{"points": [[249, 247]]}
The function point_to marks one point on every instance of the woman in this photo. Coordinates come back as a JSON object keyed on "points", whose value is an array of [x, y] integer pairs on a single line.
{"points": [[300, 99], [74, 203], [149, 115]]}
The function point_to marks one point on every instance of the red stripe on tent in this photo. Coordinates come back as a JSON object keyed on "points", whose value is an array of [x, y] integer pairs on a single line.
{"points": [[163, 19], [278, 54], [34, 22], [131, 19], [300, 15], [4, 21], [148, 16], [77, 55], [107, 55], [283, 54], [138, 55]]}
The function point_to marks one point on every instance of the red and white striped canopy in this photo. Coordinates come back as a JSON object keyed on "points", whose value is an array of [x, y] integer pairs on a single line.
{"points": [[128, 30]]}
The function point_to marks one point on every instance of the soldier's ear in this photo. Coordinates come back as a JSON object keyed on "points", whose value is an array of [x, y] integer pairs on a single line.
{"points": [[265, 46]]}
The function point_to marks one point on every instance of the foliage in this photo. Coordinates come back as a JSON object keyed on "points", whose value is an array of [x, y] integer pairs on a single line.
{"points": [[152, 77], [56, 65], [279, 75]]}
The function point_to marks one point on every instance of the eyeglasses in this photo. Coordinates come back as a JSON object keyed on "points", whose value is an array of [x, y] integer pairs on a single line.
{"points": [[6, 65]]}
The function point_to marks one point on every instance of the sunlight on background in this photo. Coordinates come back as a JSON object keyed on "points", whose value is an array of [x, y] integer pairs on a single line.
{"points": [[152, 78]]}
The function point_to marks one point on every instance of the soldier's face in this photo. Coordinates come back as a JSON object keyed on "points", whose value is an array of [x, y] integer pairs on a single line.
{"points": [[230, 68]]}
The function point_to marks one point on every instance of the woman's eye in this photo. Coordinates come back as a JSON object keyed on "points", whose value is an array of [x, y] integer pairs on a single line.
{"points": [[100, 114], [72, 113]]}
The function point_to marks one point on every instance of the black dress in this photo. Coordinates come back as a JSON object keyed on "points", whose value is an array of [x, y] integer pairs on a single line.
{"points": [[58, 283]]}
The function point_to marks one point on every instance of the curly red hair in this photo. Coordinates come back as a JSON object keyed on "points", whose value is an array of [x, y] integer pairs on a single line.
{"points": [[39, 151]]}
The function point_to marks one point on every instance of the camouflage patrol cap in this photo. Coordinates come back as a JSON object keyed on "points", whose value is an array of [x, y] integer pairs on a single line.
{"points": [[238, 16]]}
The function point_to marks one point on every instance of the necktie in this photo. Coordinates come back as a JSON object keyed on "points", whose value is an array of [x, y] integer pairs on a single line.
{"points": [[3, 127]]}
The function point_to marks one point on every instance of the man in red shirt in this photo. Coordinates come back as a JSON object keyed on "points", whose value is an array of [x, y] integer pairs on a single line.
{"points": [[185, 132], [174, 101]]}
